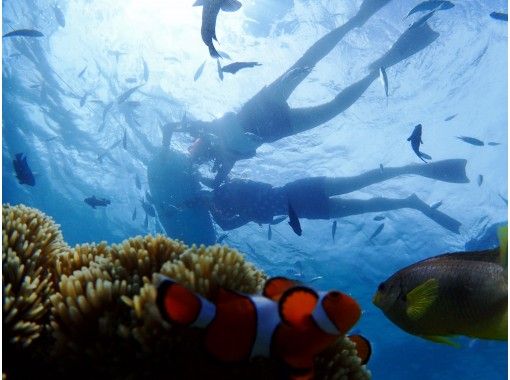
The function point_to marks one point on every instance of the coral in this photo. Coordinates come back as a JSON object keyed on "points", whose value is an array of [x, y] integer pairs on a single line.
{"points": [[97, 303], [31, 241]]}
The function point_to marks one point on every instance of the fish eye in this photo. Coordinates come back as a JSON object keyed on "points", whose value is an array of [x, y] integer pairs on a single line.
{"points": [[381, 287]]}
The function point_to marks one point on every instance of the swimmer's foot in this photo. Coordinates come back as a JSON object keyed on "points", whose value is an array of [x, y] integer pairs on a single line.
{"points": [[453, 170], [416, 38], [368, 8], [437, 216]]}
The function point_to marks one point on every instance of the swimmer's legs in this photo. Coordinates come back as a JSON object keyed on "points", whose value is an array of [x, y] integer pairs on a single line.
{"points": [[287, 83], [303, 119], [345, 207], [453, 170], [410, 42]]}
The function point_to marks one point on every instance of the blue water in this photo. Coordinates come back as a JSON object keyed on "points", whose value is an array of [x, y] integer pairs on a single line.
{"points": [[463, 73]]}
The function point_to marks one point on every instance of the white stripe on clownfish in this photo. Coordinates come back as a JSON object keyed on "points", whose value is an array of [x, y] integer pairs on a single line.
{"points": [[267, 321], [207, 313], [321, 317]]}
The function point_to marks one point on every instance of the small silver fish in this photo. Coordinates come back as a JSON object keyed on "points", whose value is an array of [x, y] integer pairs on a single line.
{"points": [[138, 183], [59, 16], [24, 33], [128, 93], [333, 229], [146, 221], [377, 231], [384, 80], [479, 180], [124, 140], [199, 71], [381, 168], [145, 70], [378, 218], [220, 71], [269, 232], [82, 72], [450, 117], [471, 140], [133, 217], [492, 143], [221, 238]]}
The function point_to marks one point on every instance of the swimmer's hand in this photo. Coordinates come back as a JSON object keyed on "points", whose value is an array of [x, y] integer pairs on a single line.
{"points": [[278, 220]]}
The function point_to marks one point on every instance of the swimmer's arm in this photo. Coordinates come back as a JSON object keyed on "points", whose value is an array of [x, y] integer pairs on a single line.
{"points": [[208, 182]]}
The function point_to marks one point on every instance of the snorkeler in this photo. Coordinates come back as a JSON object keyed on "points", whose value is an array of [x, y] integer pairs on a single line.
{"points": [[239, 201], [267, 117]]}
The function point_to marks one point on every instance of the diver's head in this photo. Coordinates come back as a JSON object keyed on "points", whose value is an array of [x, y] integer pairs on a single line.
{"points": [[201, 150]]}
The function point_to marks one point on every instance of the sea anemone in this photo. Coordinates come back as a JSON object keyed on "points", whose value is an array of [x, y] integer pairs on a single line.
{"points": [[96, 305], [31, 241]]}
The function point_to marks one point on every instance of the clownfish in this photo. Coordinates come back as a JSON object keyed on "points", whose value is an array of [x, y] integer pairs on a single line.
{"points": [[289, 322]]}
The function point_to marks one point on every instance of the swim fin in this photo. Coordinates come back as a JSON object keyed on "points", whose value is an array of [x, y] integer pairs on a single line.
{"points": [[453, 170], [413, 40]]}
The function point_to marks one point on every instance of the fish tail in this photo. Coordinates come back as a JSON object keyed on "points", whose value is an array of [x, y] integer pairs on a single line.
{"points": [[213, 52]]}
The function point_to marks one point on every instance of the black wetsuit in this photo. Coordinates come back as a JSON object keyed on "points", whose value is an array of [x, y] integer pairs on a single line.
{"points": [[238, 202]]}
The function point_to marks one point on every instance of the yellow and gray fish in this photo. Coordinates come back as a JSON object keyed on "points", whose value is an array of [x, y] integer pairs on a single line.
{"points": [[462, 293]]}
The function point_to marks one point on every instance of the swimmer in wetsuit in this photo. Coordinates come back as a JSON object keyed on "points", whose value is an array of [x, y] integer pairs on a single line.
{"points": [[267, 117], [238, 201]]}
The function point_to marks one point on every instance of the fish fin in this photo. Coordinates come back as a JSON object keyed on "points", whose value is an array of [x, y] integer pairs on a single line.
{"points": [[503, 246], [421, 298], [442, 340], [177, 304], [409, 139], [363, 347], [425, 155], [199, 3], [230, 5], [276, 286], [296, 305]]}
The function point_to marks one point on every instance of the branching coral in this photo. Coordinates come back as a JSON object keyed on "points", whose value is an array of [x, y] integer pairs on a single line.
{"points": [[98, 303]]}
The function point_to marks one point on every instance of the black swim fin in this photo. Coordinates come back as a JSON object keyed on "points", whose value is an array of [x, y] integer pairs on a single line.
{"points": [[413, 40], [452, 170]]}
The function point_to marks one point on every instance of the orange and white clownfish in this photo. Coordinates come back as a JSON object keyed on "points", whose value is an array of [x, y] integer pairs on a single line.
{"points": [[289, 322]]}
